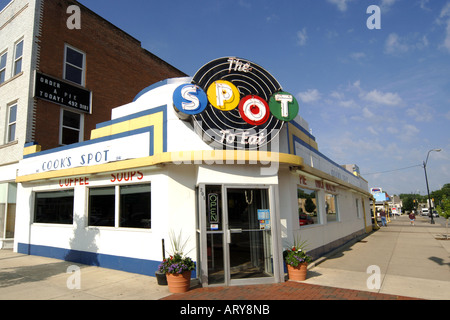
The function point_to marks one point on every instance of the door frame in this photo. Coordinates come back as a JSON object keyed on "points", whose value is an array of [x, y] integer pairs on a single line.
{"points": [[278, 273]]}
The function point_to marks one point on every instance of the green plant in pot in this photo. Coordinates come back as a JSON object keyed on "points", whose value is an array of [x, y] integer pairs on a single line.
{"points": [[178, 266], [297, 260]]}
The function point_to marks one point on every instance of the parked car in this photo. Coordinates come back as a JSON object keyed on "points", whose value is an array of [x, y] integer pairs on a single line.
{"points": [[435, 214], [305, 219]]}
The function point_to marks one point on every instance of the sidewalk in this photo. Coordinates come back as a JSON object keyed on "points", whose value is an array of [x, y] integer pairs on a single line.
{"points": [[412, 262], [24, 277]]}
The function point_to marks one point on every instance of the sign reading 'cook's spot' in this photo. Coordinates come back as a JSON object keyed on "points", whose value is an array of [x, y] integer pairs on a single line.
{"points": [[235, 103]]}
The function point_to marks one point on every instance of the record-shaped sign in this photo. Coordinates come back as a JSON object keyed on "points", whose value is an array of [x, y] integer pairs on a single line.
{"points": [[246, 107]]}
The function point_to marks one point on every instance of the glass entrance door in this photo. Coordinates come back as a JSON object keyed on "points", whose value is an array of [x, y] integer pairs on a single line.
{"points": [[249, 233], [235, 233]]}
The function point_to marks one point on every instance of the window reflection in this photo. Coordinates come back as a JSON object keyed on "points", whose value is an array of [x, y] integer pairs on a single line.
{"points": [[331, 207], [307, 207]]}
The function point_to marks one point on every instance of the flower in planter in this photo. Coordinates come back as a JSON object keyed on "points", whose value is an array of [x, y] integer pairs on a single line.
{"points": [[296, 254], [177, 262]]}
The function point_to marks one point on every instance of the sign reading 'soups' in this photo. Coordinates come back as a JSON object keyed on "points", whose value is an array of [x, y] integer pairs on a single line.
{"points": [[235, 103]]}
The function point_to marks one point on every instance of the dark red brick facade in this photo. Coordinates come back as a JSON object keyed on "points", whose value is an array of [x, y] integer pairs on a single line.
{"points": [[117, 67]]}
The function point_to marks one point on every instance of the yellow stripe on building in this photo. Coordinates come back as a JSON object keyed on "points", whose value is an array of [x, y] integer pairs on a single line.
{"points": [[296, 132], [156, 120]]}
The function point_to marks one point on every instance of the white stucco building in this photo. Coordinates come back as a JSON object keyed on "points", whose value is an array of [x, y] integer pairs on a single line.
{"points": [[240, 196]]}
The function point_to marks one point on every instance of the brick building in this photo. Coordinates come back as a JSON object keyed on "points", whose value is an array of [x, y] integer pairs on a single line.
{"points": [[57, 82]]}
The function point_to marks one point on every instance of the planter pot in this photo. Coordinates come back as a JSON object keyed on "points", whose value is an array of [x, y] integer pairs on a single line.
{"points": [[298, 273], [179, 282], [161, 278]]}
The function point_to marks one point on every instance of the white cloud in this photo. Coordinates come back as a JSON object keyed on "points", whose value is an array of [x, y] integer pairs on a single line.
{"points": [[341, 4], [367, 113], [244, 4], [444, 18], [447, 115], [445, 12], [421, 113], [348, 103], [395, 45], [372, 130], [408, 132], [392, 130], [446, 43], [389, 98], [357, 55], [309, 96], [423, 5], [386, 4], [302, 37], [337, 95]]}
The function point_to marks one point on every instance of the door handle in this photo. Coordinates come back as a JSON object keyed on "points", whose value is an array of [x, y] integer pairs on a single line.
{"points": [[230, 231]]}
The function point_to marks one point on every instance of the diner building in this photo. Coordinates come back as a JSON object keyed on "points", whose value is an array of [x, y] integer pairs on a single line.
{"points": [[223, 158]]}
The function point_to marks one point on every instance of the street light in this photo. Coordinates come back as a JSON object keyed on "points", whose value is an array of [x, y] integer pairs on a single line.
{"points": [[430, 210]]}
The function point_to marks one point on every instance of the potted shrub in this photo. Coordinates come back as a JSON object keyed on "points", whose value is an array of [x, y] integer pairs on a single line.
{"points": [[297, 261], [178, 267]]}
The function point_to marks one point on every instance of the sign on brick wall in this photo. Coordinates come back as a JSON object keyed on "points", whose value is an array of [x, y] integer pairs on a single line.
{"points": [[62, 93]]}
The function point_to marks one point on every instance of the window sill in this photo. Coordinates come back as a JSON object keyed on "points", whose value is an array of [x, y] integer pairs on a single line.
{"points": [[9, 144], [52, 225], [120, 229], [11, 79]]}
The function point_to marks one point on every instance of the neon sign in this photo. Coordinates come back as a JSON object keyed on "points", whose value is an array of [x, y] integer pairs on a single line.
{"points": [[235, 103]]}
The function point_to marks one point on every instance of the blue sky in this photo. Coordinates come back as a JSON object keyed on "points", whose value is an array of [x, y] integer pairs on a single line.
{"points": [[377, 98]]}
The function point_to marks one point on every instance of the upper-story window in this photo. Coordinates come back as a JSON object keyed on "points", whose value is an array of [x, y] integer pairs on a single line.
{"points": [[74, 65], [18, 57], [12, 118], [3, 58], [71, 130]]}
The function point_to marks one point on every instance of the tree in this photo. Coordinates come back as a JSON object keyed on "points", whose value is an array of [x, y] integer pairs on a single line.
{"points": [[438, 194], [444, 210], [309, 205], [408, 204]]}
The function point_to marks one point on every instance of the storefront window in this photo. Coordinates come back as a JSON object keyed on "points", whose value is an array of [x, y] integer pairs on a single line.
{"points": [[358, 210], [135, 206], [54, 207], [102, 207], [8, 193], [331, 207], [307, 207]]}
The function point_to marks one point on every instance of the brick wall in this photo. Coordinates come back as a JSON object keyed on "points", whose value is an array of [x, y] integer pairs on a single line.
{"points": [[117, 67]]}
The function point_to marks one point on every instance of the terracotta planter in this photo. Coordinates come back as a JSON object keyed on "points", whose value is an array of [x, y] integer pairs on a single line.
{"points": [[179, 282], [298, 273]]}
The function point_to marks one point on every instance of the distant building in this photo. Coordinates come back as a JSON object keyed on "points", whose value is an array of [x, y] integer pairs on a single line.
{"points": [[57, 83]]}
